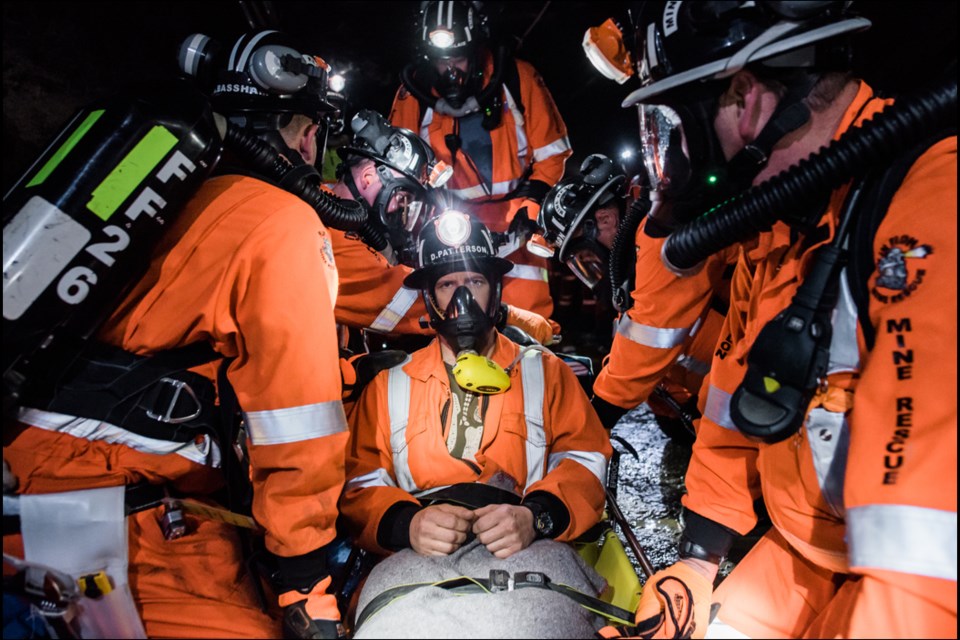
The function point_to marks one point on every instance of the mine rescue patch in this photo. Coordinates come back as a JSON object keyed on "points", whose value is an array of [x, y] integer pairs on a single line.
{"points": [[899, 271]]}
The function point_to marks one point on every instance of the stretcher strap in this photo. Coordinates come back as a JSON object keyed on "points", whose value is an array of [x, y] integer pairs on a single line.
{"points": [[499, 581]]}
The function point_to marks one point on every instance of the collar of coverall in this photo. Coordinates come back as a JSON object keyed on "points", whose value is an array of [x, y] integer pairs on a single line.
{"points": [[429, 362]]}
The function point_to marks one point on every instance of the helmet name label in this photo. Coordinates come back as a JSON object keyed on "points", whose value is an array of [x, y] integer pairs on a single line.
{"points": [[238, 88], [670, 17], [467, 248]]}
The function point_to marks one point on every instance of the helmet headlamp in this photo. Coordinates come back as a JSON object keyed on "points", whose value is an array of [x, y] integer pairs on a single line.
{"points": [[453, 227], [337, 82], [538, 246], [441, 38], [440, 174], [606, 51]]}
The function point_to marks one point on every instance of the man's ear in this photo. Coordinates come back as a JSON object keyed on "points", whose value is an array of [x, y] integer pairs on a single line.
{"points": [[754, 101], [368, 174], [307, 144]]}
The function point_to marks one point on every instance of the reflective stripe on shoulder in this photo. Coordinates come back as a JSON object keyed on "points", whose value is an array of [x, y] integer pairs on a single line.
{"points": [[717, 408], [651, 336], [528, 272], [395, 310], [377, 478], [531, 376], [398, 404], [904, 538], [296, 424], [425, 125], [549, 150], [203, 450], [518, 125]]}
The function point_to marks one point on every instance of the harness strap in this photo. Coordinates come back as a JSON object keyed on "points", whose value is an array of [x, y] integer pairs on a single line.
{"points": [[153, 396], [498, 581]]}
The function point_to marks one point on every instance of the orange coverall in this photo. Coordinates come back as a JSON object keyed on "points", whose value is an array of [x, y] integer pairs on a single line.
{"points": [[249, 268], [670, 332], [554, 444], [534, 140], [863, 498]]}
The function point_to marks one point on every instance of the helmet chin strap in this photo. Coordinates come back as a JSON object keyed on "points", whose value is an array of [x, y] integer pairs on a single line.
{"points": [[790, 114]]}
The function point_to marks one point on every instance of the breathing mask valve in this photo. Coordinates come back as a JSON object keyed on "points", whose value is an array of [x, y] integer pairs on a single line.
{"points": [[480, 374]]}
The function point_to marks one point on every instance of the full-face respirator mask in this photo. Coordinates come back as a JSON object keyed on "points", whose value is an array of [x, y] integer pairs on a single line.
{"points": [[454, 243]]}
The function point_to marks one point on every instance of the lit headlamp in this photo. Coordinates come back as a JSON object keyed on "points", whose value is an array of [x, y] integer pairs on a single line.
{"points": [[336, 82], [441, 38], [453, 227]]}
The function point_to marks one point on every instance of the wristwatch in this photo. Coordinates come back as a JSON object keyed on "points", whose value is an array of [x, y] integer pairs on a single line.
{"points": [[543, 524]]}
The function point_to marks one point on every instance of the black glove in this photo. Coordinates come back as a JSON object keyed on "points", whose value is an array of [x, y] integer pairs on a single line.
{"points": [[311, 613], [609, 414]]}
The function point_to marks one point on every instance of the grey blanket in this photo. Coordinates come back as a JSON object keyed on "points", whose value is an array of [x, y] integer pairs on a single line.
{"points": [[433, 612]]}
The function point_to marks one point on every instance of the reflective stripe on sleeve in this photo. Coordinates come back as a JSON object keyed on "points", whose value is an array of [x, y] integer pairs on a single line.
{"points": [[717, 408], [398, 402], [650, 336], [531, 375], [296, 424], [549, 150], [592, 460], [395, 311], [528, 272], [691, 364], [376, 478], [904, 538]]}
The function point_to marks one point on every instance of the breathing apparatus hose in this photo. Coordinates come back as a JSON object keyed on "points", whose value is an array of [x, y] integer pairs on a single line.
{"points": [[345, 215], [788, 195], [407, 76], [622, 254]]}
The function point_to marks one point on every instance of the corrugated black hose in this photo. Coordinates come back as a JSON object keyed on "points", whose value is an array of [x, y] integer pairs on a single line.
{"points": [[623, 252], [335, 212], [793, 192]]}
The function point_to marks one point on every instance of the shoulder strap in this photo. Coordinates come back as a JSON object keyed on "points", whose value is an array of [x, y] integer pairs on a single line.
{"points": [[879, 189]]}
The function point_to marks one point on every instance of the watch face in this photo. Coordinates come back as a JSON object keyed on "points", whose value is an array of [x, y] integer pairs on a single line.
{"points": [[544, 524]]}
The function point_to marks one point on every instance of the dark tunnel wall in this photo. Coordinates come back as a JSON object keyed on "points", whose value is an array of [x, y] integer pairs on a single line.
{"points": [[59, 56]]}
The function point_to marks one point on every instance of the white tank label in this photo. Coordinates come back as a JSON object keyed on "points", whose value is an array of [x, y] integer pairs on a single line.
{"points": [[38, 244]]}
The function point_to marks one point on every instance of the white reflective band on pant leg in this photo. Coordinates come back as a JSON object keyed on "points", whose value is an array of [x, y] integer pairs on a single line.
{"points": [[82, 532]]}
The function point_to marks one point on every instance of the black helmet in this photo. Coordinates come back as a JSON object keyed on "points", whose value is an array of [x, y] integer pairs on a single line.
{"points": [[265, 75], [403, 151], [679, 43], [453, 241], [453, 29], [567, 214], [450, 243]]}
